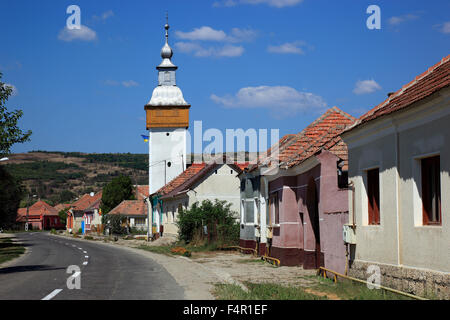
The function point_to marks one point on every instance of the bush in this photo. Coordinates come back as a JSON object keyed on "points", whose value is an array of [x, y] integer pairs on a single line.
{"points": [[53, 231], [114, 222], [216, 219]]}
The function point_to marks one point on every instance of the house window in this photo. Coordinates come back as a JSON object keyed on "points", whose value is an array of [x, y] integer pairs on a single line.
{"points": [[431, 191], [139, 221], [373, 195], [249, 209], [274, 208]]}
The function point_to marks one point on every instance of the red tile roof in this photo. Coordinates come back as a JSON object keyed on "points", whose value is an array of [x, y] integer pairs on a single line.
{"points": [[37, 209], [87, 202], [62, 206], [130, 208], [186, 175], [142, 192], [192, 174], [323, 133], [424, 85]]}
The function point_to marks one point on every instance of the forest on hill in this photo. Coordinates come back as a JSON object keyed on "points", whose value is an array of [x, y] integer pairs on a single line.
{"points": [[60, 177]]}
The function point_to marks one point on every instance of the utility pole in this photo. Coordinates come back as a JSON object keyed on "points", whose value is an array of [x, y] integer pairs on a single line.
{"points": [[28, 208]]}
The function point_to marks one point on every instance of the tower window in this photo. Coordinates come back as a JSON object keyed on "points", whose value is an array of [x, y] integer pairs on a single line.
{"points": [[169, 164], [167, 134]]}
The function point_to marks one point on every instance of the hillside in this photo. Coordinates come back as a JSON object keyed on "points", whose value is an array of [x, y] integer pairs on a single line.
{"points": [[63, 176], [50, 175]]}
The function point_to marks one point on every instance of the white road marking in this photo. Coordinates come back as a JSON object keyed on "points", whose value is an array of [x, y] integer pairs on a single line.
{"points": [[76, 274], [84, 251], [73, 245], [86, 257], [85, 263], [51, 295], [80, 248]]}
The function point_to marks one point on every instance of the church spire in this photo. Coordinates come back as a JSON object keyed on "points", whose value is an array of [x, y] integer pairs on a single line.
{"points": [[166, 51], [167, 93]]}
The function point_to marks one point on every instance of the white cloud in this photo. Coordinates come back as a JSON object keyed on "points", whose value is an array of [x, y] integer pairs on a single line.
{"points": [[209, 51], [444, 27], [396, 20], [272, 3], [107, 14], [288, 47], [130, 83], [202, 33], [82, 34], [126, 84], [366, 86], [282, 100], [206, 33]]}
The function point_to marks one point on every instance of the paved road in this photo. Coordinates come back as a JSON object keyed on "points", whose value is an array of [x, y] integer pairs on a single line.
{"points": [[106, 272]]}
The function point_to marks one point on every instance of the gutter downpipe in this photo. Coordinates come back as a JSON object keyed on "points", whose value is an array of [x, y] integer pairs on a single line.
{"points": [[149, 218], [351, 185], [397, 156]]}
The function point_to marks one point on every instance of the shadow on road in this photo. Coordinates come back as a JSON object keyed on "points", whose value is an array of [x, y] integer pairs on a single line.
{"points": [[29, 268]]}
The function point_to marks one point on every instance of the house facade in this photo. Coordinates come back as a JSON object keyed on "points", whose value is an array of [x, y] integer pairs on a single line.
{"points": [[135, 212], [199, 182], [41, 216], [399, 165], [295, 211], [84, 213]]}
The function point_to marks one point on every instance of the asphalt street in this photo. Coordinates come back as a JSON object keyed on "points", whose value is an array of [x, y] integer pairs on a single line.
{"points": [[53, 266]]}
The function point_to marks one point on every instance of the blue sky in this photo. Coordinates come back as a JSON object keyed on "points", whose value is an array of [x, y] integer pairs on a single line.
{"points": [[272, 64]]}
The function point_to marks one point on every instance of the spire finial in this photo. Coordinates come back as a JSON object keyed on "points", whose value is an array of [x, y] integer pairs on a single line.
{"points": [[167, 27]]}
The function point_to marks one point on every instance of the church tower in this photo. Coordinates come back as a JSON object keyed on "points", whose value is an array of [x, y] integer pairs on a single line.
{"points": [[167, 120]]}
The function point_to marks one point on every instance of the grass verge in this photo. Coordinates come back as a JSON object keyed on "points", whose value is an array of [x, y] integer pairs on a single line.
{"points": [[262, 291], [9, 250], [322, 289]]}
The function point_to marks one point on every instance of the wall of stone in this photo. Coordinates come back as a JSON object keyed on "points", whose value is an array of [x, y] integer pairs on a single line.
{"points": [[420, 282]]}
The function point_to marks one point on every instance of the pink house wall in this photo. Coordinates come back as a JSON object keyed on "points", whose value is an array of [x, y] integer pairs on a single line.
{"points": [[294, 242]]}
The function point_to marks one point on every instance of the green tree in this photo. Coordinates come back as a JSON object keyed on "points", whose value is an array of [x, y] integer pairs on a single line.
{"points": [[119, 189], [216, 218], [63, 216], [66, 196], [10, 196], [10, 133]]}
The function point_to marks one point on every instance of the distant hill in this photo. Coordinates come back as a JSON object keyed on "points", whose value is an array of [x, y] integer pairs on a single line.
{"points": [[50, 175], [63, 176]]}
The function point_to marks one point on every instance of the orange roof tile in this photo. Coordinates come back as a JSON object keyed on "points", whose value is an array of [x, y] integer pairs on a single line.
{"points": [[192, 174], [130, 208], [87, 201], [142, 192], [322, 133], [424, 85], [187, 174], [37, 209]]}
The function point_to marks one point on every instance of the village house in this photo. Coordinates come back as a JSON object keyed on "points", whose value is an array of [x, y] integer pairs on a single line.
{"points": [[200, 181], [135, 212], [295, 210], [84, 213], [41, 216], [399, 164]]}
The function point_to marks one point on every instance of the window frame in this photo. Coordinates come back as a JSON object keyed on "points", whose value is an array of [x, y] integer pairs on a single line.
{"points": [[373, 196], [435, 162]]}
